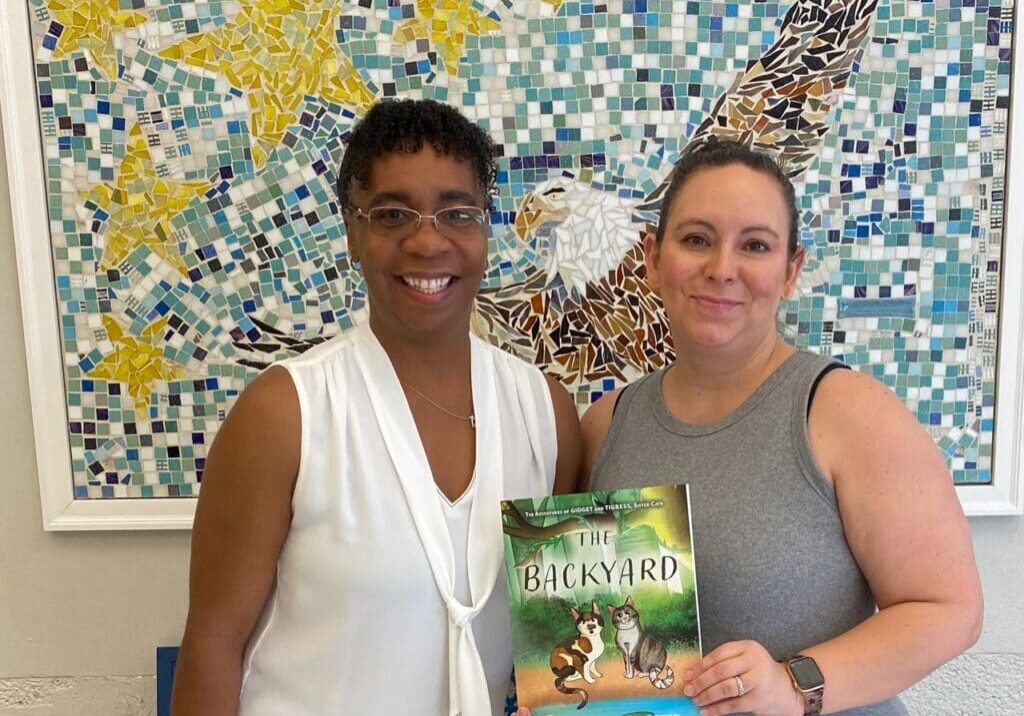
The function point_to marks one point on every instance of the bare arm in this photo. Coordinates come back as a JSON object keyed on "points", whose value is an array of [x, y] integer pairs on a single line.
{"points": [[909, 535], [567, 426], [905, 528], [242, 519]]}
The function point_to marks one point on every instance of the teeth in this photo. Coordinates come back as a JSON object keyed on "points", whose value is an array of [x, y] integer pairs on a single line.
{"points": [[428, 285]]}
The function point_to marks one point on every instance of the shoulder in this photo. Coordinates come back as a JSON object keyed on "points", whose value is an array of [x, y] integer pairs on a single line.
{"points": [[266, 418], [854, 400], [505, 359], [524, 376], [594, 427], [561, 401], [857, 425], [598, 417], [270, 397], [536, 391], [259, 443]]}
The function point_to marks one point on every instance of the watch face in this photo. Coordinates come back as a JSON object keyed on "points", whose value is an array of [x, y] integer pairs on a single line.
{"points": [[806, 673]]}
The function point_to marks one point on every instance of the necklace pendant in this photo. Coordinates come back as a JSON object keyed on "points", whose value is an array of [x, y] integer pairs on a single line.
{"points": [[472, 421]]}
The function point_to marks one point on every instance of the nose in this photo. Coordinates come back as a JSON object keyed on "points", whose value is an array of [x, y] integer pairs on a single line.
{"points": [[721, 264], [426, 240]]}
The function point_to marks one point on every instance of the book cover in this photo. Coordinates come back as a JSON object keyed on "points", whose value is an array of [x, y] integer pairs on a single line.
{"points": [[603, 600]]}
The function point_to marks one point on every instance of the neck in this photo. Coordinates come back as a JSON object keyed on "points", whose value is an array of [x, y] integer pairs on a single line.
{"points": [[441, 357], [705, 385]]}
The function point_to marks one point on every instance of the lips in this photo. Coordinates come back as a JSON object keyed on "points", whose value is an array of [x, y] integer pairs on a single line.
{"points": [[715, 301], [715, 305], [428, 285]]}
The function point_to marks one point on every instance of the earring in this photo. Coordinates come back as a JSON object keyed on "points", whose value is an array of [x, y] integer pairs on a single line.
{"points": [[355, 263]]}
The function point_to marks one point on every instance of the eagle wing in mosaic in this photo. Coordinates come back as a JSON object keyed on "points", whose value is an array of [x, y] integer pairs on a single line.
{"points": [[594, 273]]}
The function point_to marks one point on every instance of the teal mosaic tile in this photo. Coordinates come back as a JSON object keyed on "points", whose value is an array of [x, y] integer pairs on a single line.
{"points": [[194, 241]]}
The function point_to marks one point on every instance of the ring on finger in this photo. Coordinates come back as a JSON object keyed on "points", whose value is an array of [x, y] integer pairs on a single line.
{"points": [[740, 688]]}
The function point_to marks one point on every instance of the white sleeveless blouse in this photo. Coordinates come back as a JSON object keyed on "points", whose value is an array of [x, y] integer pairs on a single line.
{"points": [[388, 598]]}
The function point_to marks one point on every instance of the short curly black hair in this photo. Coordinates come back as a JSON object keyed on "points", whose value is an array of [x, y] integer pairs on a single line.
{"points": [[713, 153], [404, 126]]}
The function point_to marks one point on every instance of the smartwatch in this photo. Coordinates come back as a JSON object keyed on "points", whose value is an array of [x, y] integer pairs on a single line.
{"points": [[808, 680]]}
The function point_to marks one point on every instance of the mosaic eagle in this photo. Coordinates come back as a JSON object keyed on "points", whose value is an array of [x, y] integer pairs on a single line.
{"points": [[582, 313], [587, 314]]}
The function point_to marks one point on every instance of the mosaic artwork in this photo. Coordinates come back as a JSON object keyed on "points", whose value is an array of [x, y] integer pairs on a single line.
{"points": [[191, 148]]}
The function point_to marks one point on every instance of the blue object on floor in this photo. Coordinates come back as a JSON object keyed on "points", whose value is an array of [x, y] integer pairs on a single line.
{"points": [[166, 658]]}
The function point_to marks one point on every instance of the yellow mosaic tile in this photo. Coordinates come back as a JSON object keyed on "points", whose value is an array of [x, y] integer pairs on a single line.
{"points": [[279, 51], [447, 24], [91, 24], [137, 362], [141, 204]]}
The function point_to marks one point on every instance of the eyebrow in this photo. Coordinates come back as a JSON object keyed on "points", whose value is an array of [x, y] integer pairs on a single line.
{"points": [[386, 197], [458, 195], [753, 228], [447, 196]]}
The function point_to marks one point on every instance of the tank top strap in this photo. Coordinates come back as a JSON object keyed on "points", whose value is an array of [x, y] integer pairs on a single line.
{"points": [[805, 382]]}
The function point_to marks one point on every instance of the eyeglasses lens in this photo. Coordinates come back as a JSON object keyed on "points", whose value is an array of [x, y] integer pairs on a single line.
{"points": [[456, 222]]}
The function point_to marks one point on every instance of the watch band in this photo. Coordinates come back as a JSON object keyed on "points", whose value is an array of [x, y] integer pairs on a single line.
{"points": [[813, 696], [812, 701]]}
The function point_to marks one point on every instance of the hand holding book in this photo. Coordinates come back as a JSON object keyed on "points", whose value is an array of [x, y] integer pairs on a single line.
{"points": [[741, 677]]}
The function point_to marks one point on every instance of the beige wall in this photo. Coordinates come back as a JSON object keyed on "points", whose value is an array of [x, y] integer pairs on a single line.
{"points": [[97, 604], [75, 603]]}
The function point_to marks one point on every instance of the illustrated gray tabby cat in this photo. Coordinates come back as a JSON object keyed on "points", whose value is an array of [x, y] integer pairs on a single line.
{"points": [[641, 652]]}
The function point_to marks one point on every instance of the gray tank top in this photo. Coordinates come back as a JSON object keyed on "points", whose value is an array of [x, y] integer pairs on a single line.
{"points": [[773, 564]]}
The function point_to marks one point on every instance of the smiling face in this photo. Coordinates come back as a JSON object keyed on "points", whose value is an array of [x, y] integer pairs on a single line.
{"points": [[422, 285], [722, 267]]}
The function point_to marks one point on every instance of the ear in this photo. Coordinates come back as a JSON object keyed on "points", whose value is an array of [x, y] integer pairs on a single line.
{"points": [[355, 254], [595, 609], [575, 612], [629, 600], [611, 610], [793, 268], [652, 260]]}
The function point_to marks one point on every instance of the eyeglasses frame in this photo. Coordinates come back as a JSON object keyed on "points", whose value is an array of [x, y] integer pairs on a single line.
{"points": [[358, 213]]}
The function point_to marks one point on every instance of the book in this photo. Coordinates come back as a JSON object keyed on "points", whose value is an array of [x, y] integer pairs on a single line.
{"points": [[603, 601]]}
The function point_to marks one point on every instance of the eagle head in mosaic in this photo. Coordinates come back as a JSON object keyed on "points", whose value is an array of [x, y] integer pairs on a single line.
{"points": [[581, 232]]}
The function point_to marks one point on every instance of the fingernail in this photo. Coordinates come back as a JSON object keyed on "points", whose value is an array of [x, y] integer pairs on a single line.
{"points": [[688, 690]]}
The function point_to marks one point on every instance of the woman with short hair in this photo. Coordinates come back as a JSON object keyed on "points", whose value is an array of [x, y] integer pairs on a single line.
{"points": [[347, 545]]}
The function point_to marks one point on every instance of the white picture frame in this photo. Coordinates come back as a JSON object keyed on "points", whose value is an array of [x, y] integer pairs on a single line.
{"points": [[60, 509], [1005, 495]]}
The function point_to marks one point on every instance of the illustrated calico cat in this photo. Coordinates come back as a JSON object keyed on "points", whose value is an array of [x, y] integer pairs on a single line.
{"points": [[641, 652], [576, 657]]}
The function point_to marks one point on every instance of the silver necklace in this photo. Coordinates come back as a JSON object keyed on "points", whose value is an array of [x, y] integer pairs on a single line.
{"points": [[471, 418]]}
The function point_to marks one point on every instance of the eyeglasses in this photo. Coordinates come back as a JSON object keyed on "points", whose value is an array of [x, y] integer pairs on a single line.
{"points": [[399, 222]]}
